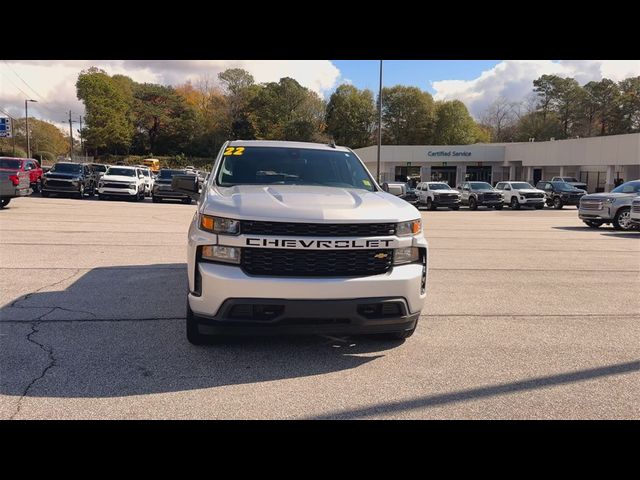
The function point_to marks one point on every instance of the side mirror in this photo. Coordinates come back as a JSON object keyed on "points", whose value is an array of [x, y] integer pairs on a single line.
{"points": [[187, 184], [385, 186]]}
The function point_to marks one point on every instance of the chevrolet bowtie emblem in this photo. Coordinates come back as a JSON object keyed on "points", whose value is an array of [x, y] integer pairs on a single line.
{"points": [[380, 255]]}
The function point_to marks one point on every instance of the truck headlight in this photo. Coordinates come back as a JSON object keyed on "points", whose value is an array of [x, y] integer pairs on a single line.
{"points": [[132, 185], [408, 228], [609, 200], [219, 253], [406, 255], [219, 225], [100, 184]]}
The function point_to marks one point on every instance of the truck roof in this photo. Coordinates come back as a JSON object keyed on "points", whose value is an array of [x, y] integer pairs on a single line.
{"points": [[286, 144]]}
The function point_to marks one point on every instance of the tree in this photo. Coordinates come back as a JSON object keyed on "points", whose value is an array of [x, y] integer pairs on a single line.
{"points": [[287, 111], [43, 136], [559, 96], [108, 110], [628, 117], [500, 118], [240, 92], [453, 125], [603, 99], [351, 116], [407, 115]]}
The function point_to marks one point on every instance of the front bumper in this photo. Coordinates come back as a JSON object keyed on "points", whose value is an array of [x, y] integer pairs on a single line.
{"points": [[532, 201], [446, 202], [127, 192], [168, 194], [254, 316], [604, 214]]}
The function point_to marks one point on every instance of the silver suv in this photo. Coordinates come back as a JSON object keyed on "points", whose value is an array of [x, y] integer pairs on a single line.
{"points": [[614, 207]]}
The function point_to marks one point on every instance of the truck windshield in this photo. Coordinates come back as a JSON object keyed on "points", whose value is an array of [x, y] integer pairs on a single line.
{"points": [[481, 186], [66, 168], [292, 166], [564, 186], [170, 173], [125, 172], [520, 185], [629, 187], [439, 186], [10, 163]]}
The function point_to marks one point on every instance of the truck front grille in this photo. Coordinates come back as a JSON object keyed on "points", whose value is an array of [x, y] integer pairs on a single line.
{"points": [[591, 205], [315, 263], [59, 183], [533, 195], [318, 229], [115, 185]]}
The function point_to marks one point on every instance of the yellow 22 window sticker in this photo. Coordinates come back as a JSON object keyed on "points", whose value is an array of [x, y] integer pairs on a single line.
{"points": [[233, 151], [366, 183]]}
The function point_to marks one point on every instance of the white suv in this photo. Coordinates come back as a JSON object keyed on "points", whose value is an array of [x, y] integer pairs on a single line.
{"points": [[122, 181], [293, 237], [517, 194], [437, 194], [148, 179]]}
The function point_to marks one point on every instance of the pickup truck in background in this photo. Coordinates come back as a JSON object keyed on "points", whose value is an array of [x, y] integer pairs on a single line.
{"points": [[13, 184], [571, 181], [29, 165]]}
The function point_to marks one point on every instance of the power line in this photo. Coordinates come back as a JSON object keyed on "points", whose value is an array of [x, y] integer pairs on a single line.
{"points": [[23, 81]]}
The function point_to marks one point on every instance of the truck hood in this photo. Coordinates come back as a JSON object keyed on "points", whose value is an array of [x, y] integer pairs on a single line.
{"points": [[602, 196], [486, 190], [529, 190], [297, 203], [65, 176], [436, 192], [118, 178]]}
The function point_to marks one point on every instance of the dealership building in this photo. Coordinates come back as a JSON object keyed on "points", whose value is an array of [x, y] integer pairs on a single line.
{"points": [[597, 161]]}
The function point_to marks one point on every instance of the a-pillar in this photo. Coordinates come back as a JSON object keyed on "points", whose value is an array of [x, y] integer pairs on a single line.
{"points": [[609, 185]]}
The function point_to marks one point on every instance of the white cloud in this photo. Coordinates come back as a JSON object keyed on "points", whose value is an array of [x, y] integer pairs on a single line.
{"points": [[513, 79], [54, 80]]}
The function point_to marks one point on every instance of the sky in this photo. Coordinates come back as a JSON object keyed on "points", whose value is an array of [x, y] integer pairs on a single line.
{"points": [[477, 83]]}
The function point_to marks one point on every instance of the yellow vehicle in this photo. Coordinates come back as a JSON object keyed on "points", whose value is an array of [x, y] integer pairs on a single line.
{"points": [[153, 164]]}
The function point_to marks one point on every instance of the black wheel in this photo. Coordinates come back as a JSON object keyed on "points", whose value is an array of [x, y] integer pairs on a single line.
{"points": [[44, 193], [141, 196], [498, 207], [92, 191], [193, 334], [593, 224], [4, 202], [473, 204], [557, 203], [514, 204], [155, 199], [622, 220], [430, 205], [37, 187], [187, 201], [80, 193]]}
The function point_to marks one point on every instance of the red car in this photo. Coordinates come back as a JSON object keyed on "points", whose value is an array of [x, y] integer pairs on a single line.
{"points": [[24, 165]]}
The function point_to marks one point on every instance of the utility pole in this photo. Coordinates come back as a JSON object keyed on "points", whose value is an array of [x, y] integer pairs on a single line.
{"points": [[13, 134], [379, 124], [81, 139], [70, 136]]}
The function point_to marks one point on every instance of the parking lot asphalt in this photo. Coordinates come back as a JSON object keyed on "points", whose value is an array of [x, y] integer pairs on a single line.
{"points": [[530, 315]]}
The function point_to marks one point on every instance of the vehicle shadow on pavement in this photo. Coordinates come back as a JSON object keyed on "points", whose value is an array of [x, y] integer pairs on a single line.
{"points": [[119, 331]]}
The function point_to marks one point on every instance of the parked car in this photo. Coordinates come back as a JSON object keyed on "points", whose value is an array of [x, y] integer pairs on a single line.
{"points": [[634, 217], [411, 195], [437, 194], [122, 182], [162, 189], [559, 194], [99, 170], [480, 194], [614, 207], [517, 194], [76, 179], [29, 165], [13, 183], [296, 237], [398, 189], [148, 179], [571, 181]]}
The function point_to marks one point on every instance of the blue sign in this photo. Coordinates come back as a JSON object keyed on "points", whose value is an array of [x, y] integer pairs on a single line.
{"points": [[5, 127]]}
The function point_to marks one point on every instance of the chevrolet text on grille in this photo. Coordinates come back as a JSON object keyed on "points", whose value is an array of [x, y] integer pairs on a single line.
{"points": [[294, 243]]}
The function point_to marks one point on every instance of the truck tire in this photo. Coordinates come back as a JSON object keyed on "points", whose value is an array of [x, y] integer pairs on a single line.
{"points": [[514, 204], [44, 193], [593, 224], [473, 204], [37, 187], [186, 201], [80, 193], [193, 335], [557, 203], [622, 220], [92, 192], [155, 199], [430, 205], [141, 195], [4, 202], [498, 207]]}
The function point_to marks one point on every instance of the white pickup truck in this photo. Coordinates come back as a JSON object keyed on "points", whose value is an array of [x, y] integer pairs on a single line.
{"points": [[517, 194], [437, 194], [122, 181], [293, 237]]}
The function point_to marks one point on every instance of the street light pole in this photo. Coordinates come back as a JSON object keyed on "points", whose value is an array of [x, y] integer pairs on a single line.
{"points": [[379, 124], [26, 118]]}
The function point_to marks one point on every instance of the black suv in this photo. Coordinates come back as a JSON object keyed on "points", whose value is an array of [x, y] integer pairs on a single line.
{"points": [[559, 194], [478, 194], [162, 188], [77, 179]]}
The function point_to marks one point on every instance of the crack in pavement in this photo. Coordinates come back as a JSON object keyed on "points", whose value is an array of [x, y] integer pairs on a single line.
{"points": [[52, 362], [29, 295]]}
